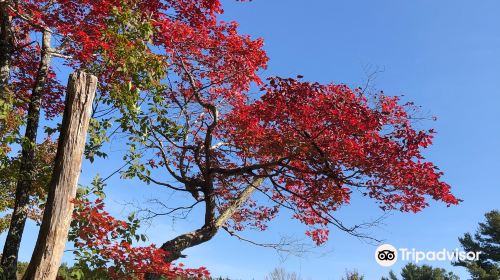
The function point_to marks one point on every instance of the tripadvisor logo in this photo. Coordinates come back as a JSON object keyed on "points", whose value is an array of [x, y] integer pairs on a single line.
{"points": [[387, 255]]}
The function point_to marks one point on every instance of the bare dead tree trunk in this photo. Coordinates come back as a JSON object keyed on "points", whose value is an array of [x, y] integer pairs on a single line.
{"points": [[24, 183], [175, 246], [53, 234]]}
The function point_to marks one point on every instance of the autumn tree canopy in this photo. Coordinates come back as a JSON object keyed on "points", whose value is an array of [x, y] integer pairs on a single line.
{"points": [[178, 83], [85, 35]]}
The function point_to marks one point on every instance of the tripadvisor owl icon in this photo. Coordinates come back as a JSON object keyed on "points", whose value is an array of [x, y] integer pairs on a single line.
{"points": [[386, 255]]}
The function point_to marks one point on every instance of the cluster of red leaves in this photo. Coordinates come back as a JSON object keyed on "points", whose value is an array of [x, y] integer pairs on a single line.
{"points": [[327, 140], [313, 143], [109, 241], [222, 56], [23, 79], [78, 31], [81, 23], [24, 73]]}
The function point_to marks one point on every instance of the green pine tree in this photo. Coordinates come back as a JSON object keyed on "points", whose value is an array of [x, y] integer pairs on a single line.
{"points": [[414, 272], [487, 241]]}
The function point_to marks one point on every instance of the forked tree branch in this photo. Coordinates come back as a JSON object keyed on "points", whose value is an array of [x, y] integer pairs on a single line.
{"points": [[175, 246]]}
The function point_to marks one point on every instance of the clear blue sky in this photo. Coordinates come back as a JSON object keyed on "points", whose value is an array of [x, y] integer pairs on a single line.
{"points": [[444, 55]]}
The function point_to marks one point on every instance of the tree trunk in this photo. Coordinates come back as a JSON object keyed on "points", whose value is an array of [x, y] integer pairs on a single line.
{"points": [[24, 183], [6, 47], [53, 233], [175, 246]]}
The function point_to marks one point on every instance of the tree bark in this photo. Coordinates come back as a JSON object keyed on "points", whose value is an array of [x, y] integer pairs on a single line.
{"points": [[6, 47], [24, 183], [52, 237], [175, 246]]}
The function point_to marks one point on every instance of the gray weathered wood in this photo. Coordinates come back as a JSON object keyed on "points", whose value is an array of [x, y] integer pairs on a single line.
{"points": [[52, 238]]}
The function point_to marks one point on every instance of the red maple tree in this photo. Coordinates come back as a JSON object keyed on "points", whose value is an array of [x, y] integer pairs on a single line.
{"points": [[305, 146], [36, 32], [104, 245]]}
